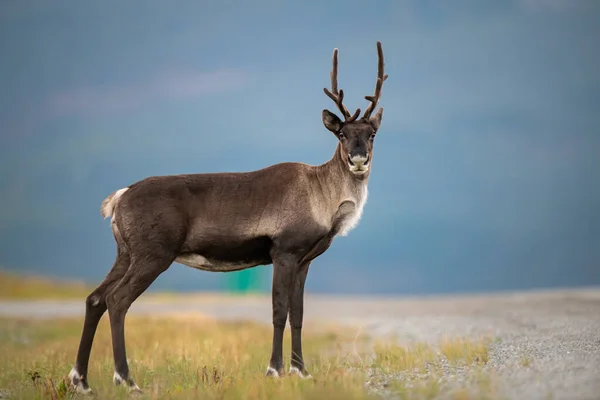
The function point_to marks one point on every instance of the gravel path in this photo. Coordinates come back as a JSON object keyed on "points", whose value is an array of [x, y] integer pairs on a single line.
{"points": [[557, 332]]}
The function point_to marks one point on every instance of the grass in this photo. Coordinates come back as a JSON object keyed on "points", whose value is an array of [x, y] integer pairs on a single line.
{"points": [[177, 357], [391, 357], [17, 286], [189, 356], [14, 286], [458, 350], [426, 371]]}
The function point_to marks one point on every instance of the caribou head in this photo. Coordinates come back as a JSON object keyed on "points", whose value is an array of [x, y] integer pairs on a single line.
{"points": [[356, 136]]}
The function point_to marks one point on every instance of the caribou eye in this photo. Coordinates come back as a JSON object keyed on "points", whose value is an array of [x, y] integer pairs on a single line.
{"points": [[341, 135], [372, 137]]}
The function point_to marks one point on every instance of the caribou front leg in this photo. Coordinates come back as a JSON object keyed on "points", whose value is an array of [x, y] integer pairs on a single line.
{"points": [[283, 274], [296, 314]]}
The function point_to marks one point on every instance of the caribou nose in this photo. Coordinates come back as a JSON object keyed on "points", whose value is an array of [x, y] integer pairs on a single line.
{"points": [[358, 160]]}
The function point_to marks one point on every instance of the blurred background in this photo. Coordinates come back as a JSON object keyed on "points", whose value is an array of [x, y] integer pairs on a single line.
{"points": [[486, 172]]}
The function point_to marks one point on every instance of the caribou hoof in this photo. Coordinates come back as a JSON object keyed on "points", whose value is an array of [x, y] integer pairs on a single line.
{"points": [[79, 384], [272, 372], [303, 374], [133, 388]]}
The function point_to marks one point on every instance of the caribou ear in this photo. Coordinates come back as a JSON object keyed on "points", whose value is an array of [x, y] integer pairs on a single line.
{"points": [[376, 120], [332, 122]]}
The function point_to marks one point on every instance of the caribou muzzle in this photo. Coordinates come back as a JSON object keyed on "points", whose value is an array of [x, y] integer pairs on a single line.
{"points": [[359, 164]]}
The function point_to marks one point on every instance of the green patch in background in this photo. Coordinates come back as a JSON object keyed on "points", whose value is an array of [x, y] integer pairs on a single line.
{"points": [[251, 280]]}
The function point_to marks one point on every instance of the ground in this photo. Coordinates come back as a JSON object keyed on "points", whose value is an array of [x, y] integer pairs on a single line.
{"points": [[535, 345]]}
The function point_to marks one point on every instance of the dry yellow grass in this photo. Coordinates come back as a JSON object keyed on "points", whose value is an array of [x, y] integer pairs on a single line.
{"points": [[467, 351], [416, 356], [191, 356], [395, 357], [183, 357], [419, 369], [187, 355], [17, 286], [24, 287]]}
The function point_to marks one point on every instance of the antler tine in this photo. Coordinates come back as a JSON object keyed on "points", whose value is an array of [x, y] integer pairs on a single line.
{"points": [[338, 96], [354, 116], [334, 71], [380, 79]]}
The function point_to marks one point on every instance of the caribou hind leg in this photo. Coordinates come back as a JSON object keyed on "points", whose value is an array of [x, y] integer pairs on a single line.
{"points": [[143, 271], [95, 307]]}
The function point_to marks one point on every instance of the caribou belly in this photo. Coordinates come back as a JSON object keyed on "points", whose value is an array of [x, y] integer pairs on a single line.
{"points": [[200, 262]]}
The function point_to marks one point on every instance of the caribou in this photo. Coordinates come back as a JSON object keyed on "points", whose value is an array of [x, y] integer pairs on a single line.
{"points": [[286, 215]]}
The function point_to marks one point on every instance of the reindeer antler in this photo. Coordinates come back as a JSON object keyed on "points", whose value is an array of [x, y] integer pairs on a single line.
{"points": [[380, 79], [338, 97]]}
